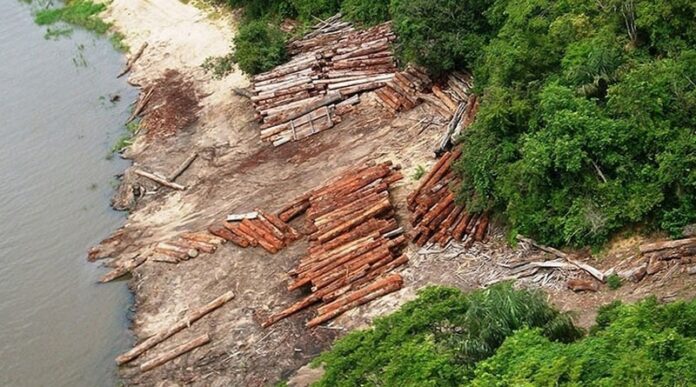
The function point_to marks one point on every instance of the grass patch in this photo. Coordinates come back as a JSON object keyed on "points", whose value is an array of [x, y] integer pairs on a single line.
{"points": [[418, 173], [126, 139], [81, 13]]}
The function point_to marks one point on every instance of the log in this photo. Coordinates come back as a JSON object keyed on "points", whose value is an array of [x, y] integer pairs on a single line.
{"points": [[378, 289], [123, 269], [182, 167], [140, 106], [586, 267], [451, 105], [159, 180], [175, 352], [649, 247], [190, 318], [370, 212], [240, 217], [240, 233], [223, 232], [578, 285], [203, 237]]}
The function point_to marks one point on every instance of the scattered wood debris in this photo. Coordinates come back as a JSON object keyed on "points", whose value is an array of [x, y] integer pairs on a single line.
{"points": [[354, 241], [656, 257], [463, 117], [436, 218], [330, 64]]}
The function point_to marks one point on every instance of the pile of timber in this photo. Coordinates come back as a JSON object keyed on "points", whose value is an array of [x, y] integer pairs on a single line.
{"points": [[436, 218], [402, 92], [447, 97], [329, 65], [257, 228], [354, 243], [186, 246]]}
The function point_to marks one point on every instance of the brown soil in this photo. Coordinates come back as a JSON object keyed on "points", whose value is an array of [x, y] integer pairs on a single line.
{"points": [[236, 172]]}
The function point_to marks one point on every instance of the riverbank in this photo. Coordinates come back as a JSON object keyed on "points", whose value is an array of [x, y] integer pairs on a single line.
{"points": [[189, 112]]}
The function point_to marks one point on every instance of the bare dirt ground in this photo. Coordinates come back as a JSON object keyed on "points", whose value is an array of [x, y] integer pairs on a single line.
{"points": [[236, 172]]}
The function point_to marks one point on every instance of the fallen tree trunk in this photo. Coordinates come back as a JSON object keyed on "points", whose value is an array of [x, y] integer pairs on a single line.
{"points": [[190, 318]]}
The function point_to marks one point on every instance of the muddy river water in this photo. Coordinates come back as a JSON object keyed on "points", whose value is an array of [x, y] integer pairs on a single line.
{"points": [[57, 125]]}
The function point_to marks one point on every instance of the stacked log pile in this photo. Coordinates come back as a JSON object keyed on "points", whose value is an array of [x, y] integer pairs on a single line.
{"points": [[402, 92], [330, 64], [354, 243], [259, 228], [436, 218], [186, 246]]}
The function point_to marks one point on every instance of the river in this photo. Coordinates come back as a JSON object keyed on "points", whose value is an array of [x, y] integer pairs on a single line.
{"points": [[57, 326]]}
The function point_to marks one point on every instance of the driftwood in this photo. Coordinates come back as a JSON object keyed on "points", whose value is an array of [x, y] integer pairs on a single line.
{"points": [[131, 61], [140, 106], [182, 167], [190, 318], [159, 179], [175, 352]]}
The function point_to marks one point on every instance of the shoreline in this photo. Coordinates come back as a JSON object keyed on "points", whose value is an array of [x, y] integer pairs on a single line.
{"points": [[235, 172]]}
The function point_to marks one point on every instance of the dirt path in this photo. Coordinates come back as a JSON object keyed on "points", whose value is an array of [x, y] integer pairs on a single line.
{"points": [[236, 172]]}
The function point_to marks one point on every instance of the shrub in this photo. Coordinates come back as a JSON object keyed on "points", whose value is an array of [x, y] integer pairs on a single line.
{"points": [[437, 338], [441, 34], [366, 12], [259, 46], [614, 282], [645, 344]]}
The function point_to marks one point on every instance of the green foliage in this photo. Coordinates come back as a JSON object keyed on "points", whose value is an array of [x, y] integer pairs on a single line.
{"points": [[587, 116], [441, 34], [436, 339], [418, 173], [307, 10], [81, 13], [614, 282], [259, 46], [645, 344], [366, 12]]}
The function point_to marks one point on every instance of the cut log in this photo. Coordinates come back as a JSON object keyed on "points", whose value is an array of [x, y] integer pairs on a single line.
{"points": [[649, 247], [159, 179], [175, 352], [190, 318], [123, 269], [182, 167], [578, 285], [240, 217], [223, 232], [349, 301]]}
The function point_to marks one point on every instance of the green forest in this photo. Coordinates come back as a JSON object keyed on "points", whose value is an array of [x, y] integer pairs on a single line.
{"points": [[586, 125]]}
